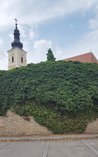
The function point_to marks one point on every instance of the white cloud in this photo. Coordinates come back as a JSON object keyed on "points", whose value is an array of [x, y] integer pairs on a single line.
{"points": [[41, 45], [93, 23], [39, 51], [31, 12], [2, 54], [31, 34], [4, 62], [1, 44]]}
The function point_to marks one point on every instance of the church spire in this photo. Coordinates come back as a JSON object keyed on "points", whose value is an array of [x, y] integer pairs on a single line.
{"points": [[16, 42], [16, 23]]}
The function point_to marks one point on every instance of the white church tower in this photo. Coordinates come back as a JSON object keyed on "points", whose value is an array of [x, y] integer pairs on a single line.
{"points": [[17, 57]]}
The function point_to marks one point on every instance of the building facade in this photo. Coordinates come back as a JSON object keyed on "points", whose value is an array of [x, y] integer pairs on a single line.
{"points": [[17, 57]]}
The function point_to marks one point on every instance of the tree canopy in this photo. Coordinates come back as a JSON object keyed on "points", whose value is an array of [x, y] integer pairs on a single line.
{"points": [[50, 55]]}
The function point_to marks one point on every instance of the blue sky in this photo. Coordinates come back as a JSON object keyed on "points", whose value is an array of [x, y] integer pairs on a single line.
{"points": [[69, 27]]}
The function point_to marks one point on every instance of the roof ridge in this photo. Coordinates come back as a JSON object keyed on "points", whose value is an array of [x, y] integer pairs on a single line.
{"points": [[80, 55]]}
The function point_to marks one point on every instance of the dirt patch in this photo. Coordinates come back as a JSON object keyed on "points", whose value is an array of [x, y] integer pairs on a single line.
{"points": [[15, 125], [92, 127]]}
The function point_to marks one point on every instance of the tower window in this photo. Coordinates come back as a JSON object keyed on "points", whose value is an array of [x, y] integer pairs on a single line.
{"points": [[12, 59], [21, 59]]}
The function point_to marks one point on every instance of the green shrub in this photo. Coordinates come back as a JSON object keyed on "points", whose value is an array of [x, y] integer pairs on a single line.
{"points": [[53, 120]]}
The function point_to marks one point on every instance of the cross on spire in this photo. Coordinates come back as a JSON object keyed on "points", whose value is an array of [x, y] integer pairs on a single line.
{"points": [[16, 22]]}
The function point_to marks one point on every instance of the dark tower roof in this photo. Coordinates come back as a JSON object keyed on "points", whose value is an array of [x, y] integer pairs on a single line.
{"points": [[16, 42]]}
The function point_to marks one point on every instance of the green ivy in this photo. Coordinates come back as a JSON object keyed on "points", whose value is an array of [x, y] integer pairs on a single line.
{"points": [[66, 88]]}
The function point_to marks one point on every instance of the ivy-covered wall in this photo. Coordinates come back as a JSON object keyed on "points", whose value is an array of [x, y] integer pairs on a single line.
{"points": [[66, 88]]}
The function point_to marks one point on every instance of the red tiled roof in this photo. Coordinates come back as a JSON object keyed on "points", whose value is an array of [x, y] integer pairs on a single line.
{"points": [[87, 57]]}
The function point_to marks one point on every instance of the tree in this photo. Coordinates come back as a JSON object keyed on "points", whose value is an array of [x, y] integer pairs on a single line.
{"points": [[50, 55]]}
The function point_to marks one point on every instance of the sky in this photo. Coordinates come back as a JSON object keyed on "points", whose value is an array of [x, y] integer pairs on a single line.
{"points": [[68, 27]]}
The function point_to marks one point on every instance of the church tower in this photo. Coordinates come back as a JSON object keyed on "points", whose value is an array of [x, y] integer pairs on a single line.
{"points": [[17, 57]]}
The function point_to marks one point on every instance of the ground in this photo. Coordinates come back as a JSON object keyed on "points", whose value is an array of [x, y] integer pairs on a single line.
{"points": [[13, 124], [82, 148], [93, 126]]}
